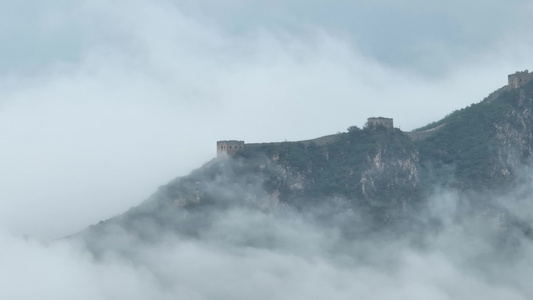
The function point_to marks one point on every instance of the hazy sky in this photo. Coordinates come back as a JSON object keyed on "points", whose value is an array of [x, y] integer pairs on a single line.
{"points": [[102, 101]]}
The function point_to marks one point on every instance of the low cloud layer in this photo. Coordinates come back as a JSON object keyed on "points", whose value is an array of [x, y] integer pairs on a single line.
{"points": [[267, 254]]}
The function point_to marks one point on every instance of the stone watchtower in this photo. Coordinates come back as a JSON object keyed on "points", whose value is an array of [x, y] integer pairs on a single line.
{"points": [[229, 147], [380, 121], [519, 78]]}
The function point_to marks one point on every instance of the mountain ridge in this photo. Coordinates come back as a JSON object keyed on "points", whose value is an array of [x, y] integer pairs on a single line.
{"points": [[377, 174]]}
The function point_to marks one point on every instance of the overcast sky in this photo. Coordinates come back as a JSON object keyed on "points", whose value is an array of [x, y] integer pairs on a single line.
{"points": [[103, 101]]}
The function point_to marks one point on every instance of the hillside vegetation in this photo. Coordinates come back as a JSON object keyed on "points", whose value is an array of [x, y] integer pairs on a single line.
{"points": [[375, 174]]}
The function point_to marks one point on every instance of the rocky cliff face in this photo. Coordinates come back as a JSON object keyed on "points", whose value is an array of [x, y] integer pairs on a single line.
{"points": [[390, 179], [514, 136]]}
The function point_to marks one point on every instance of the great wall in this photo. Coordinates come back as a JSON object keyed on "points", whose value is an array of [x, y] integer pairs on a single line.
{"points": [[231, 147]]}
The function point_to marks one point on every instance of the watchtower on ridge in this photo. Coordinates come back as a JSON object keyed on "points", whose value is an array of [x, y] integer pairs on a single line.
{"points": [[380, 121], [229, 147], [519, 78]]}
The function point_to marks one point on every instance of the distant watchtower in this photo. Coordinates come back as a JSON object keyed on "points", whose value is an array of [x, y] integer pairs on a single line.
{"points": [[519, 78], [380, 121], [229, 147]]}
